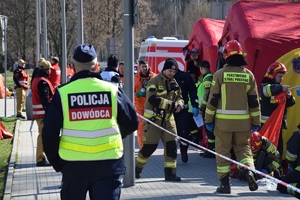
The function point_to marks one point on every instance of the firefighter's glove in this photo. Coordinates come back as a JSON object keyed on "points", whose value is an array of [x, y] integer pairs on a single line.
{"points": [[195, 112], [177, 107], [141, 93], [254, 128], [210, 127]]}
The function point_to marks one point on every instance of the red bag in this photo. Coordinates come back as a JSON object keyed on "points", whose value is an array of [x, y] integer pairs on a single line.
{"points": [[271, 129], [4, 133]]}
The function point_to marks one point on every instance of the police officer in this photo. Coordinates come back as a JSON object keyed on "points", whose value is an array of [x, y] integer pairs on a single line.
{"points": [[20, 78], [42, 93], [163, 97], [293, 157], [231, 108], [83, 131], [189, 93], [111, 73]]}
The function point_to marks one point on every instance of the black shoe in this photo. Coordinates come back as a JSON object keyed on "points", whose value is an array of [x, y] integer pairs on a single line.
{"points": [[251, 181], [138, 172], [224, 189], [184, 158], [172, 177], [21, 116], [208, 155], [202, 153], [43, 163]]}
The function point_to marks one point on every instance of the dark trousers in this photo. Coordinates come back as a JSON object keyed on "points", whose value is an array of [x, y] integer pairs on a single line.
{"points": [[76, 185], [181, 120]]}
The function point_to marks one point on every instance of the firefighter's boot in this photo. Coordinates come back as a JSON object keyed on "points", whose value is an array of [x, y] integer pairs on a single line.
{"points": [[183, 151], [138, 172], [170, 175], [250, 177], [225, 185], [211, 146]]}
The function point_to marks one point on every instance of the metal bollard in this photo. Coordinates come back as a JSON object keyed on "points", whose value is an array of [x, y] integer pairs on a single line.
{"points": [[29, 114]]}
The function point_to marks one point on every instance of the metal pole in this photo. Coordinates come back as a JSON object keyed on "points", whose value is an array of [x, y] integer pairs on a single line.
{"points": [[80, 22], [38, 29], [175, 18], [45, 30], [64, 43], [129, 178], [4, 45]]}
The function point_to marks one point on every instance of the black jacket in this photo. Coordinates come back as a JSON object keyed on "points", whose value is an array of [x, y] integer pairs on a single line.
{"points": [[53, 122], [188, 87]]}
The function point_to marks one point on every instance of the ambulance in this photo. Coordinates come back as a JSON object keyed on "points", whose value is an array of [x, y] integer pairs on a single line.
{"points": [[156, 51]]}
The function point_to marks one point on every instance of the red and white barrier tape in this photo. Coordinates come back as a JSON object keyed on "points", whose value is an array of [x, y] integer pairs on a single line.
{"points": [[289, 187]]}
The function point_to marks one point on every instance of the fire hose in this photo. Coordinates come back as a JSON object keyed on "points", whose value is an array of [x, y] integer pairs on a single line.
{"points": [[289, 187]]}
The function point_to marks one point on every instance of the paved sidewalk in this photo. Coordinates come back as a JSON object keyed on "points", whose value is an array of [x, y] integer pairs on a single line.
{"points": [[199, 180]]}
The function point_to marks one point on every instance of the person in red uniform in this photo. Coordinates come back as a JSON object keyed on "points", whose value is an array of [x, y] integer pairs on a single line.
{"points": [[20, 78], [121, 72], [70, 71], [140, 81], [55, 72], [42, 92]]}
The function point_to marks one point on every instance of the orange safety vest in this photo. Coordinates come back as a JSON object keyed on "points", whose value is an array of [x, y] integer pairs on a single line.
{"points": [[37, 107]]}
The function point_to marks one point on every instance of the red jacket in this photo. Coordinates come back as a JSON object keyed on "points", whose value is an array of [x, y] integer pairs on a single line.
{"points": [[55, 75]]}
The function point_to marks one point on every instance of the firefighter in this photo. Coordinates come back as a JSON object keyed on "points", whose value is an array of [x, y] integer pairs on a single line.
{"points": [[231, 109], [20, 78], [203, 94], [140, 82], [163, 97], [42, 93], [267, 159], [189, 94], [271, 86], [293, 157], [83, 131]]}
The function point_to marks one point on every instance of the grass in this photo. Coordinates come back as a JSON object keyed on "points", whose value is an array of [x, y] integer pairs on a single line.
{"points": [[5, 151]]}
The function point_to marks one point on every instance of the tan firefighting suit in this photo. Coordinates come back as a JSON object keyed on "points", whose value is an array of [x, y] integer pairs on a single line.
{"points": [[233, 106], [162, 96]]}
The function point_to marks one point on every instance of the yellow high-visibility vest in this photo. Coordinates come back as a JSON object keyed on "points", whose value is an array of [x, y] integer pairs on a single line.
{"points": [[90, 129]]}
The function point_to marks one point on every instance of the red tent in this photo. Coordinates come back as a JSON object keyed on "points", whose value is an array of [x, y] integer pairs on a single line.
{"points": [[266, 31], [205, 36]]}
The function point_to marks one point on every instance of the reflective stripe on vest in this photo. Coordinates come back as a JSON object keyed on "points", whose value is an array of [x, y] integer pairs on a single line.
{"points": [[90, 129], [38, 109], [232, 114], [263, 119]]}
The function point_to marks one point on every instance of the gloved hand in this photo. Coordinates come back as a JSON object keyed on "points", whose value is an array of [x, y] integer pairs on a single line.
{"points": [[210, 127], [195, 112], [141, 93], [265, 171], [254, 128]]}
